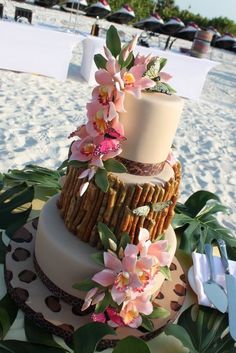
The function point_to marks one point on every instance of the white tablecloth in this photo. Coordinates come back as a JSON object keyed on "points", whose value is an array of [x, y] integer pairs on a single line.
{"points": [[35, 49], [189, 74]]}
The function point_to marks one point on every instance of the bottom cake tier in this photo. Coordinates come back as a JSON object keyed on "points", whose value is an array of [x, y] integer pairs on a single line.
{"points": [[62, 260]]}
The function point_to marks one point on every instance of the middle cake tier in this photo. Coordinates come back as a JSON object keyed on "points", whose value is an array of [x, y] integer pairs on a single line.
{"points": [[116, 207]]}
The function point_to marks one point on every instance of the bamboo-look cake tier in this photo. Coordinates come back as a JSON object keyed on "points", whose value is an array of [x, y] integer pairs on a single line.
{"points": [[81, 214]]}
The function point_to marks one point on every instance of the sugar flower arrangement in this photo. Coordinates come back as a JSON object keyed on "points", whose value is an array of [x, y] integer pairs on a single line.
{"points": [[123, 292], [100, 138]]}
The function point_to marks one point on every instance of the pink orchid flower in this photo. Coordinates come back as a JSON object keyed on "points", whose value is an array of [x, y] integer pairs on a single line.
{"points": [[115, 319], [89, 297], [158, 250], [130, 312], [100, 317], [80, 132], [142, 59], [129, 48], [134, 82]]}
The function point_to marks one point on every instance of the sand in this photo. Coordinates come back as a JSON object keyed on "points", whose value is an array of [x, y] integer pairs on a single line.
{"points": [[38, 113]]}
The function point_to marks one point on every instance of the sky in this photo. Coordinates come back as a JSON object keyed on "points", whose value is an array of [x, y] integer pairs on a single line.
{"points": [[210, 8]]}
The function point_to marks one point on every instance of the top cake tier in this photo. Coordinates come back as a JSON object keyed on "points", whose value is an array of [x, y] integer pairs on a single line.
{"points": [[150, 125]]}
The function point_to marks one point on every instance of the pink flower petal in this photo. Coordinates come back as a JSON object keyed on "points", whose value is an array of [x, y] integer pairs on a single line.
{"points": [[112, 262], [164, 258], [103, 77], [98, 298], [83, 188], [156, 248], [86, 304], [138, 71], [145, 83], [129, 263], [112, 111], [165, 76], [135, 323], [143, 304], [117, 295], [112, 66], [100, 317], [131, 250], [105, 277]]}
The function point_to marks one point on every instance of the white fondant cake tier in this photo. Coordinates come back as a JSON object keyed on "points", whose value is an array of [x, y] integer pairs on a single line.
{"points": [[150, 124], [65, 259]]}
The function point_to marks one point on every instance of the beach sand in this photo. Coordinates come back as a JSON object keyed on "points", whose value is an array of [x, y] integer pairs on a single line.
{"points": [[38, 113]]}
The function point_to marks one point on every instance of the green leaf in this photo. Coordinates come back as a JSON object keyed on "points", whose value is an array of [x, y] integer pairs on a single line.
{"points": [[78, 164], [103, 304], [112, 165], [8, 312], [85, 285], [124, 240], [88, 336], [159, 312], [113, 42], [63, 165], [36, 334], [147, 323], [166, 272], [100, 61], [13, 207], [14, 346], [131, 344], [98, 258], [197, 222], [3, 250], [101, 179], [200, 329], [105, 233]]}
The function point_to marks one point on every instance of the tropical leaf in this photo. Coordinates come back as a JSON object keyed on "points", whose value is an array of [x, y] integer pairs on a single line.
{"points": [[63, 165], [14, 346], [198, 224], [88, 336], [131, 344], [100, 61], [113, 42], [15, 207], [105, 233], [101, 179], [8, 312], [46, 182], [36, 334], [112, 165], [200, 329]]}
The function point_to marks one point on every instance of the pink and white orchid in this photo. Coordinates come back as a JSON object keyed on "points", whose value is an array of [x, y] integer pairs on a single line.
{"points": [[134, 82]]}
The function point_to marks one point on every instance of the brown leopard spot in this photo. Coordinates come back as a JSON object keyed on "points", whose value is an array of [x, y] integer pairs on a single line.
{"points": [[27, 276], [53, 303], [175, 306], [21, 293], [22, 235], [183, 278], [160, 295], [20, 254], [67, 327], [180, 290], [173, 267]]}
